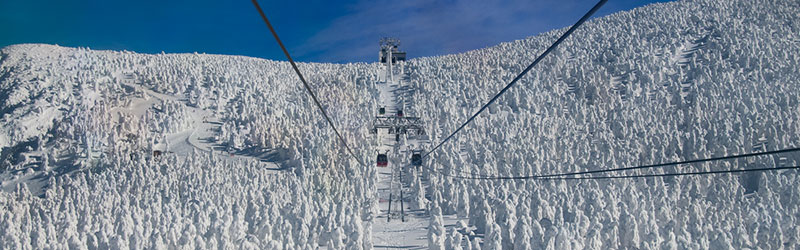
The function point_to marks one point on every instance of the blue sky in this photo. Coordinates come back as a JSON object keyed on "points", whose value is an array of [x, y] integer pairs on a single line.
{"points": [[315, 30]]}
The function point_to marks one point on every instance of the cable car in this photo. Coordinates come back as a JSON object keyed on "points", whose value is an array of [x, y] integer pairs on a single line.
{"points": [[416, 159], [382, 111], [383, 161], [400, 113]]}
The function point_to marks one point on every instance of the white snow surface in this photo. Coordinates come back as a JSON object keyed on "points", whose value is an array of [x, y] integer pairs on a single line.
{"points": [[248, 163]]}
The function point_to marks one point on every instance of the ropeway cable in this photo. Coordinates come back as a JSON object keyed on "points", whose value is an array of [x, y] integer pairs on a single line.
{"points": [[565, 176], [558, 176], [728, 171], [589, 172], [521, 74], [728, 157], [305, 84]]}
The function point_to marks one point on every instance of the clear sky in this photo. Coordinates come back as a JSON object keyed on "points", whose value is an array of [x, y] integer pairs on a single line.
{"points": [[313, 30]]}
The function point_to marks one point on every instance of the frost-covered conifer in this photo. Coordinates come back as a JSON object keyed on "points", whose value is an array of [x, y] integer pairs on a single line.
{"points": [[454, 241], [666, 82], [494, 238], [436, 230], [418, 192], [522, 235], [482, 217]]}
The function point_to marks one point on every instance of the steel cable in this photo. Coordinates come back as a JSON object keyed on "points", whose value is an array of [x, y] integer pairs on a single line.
{"points": [[305, 84]]}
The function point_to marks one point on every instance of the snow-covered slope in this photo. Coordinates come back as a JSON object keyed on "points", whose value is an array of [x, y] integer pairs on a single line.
{"points": [[249, 163], [245, 160], [665, 82]]}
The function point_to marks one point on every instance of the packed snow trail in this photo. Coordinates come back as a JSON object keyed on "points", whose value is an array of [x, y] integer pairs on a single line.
{"points": [[199, 134], [200, 129]]}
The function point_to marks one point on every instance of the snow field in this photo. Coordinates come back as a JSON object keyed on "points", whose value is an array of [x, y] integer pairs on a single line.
{"points": [[665, 82]]}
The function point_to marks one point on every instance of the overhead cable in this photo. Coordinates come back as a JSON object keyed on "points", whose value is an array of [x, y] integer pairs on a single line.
{"points": [[521, 74], [590, 172], [708, 172], [305, 84]]}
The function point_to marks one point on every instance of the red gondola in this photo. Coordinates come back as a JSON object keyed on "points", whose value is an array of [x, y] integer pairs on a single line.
{"points": [[383, 161]]}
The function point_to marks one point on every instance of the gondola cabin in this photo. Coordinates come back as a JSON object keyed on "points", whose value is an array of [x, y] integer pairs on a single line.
{"points": [[399, 113], [416, 159], [382, 160], [382, 111], [389, 49], [397, 55]]}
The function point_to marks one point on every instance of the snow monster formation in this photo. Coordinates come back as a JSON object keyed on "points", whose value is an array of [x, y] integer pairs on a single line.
{"points": [[105, 149]]}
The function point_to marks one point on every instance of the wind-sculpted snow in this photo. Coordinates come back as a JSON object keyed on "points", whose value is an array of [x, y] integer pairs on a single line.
{"points": [[79, 131]]}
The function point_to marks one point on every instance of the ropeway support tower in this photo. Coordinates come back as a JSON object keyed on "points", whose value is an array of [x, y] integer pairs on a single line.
{"points": [[392, 127]]}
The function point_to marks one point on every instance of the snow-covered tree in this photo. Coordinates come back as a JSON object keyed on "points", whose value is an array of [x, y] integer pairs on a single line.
{"points": [[436, 230]]}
